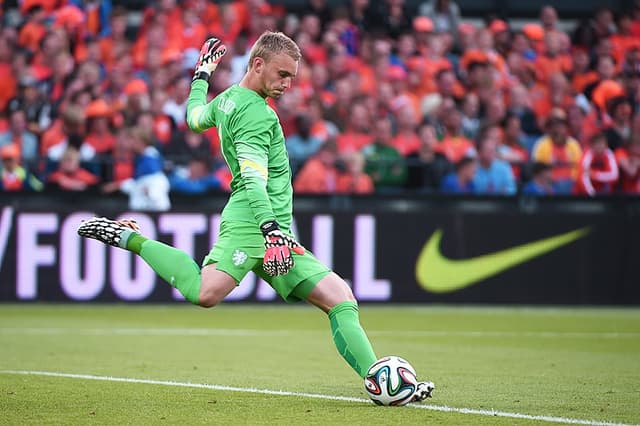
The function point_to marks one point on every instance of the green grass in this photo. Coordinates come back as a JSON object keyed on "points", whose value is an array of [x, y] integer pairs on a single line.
{"points": [[573, 363]]}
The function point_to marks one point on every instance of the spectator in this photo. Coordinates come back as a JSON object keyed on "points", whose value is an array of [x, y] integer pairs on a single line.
{"points": [[357, 134], [319, 8], [598, 169], [520, 105], [30, 99], [148, 189], [405, 104], [512, 148], [14, 177], [68, 131], [445, 15], [319, 174], [383, 162], [406, 140], [184, 146], [113, 43], [62, 68], [628, 158], [598, 118], [502, 37], [240, 58], [70, 176], [136, 101], [164, 127], [320, 128], [603, 22], [302, 144], [583, 75], [176, 106], [34, 28], [619, 109], [7, 75], [470, 116], [559, 150], [353, 179], [18, 134], [426, 167], [575, 121], [340, 110], [541, 182], [197, 178], [492, 176], [553, 60], [460, 181], [99, 134], [549, 18], [390, 15], [454, 145]]}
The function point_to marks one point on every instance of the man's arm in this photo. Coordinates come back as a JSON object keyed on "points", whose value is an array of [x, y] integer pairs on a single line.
{"points": [[200, 116], [252, 142]]}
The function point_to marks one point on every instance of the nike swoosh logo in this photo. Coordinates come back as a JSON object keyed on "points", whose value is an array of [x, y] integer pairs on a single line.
{"points": [[437, 274]]}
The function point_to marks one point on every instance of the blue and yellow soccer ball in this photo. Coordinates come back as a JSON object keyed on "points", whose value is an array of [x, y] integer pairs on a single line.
{"points": [[391, 380]]}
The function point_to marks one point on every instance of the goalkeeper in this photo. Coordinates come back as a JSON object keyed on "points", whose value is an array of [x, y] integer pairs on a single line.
{"points": [[255, 230]]}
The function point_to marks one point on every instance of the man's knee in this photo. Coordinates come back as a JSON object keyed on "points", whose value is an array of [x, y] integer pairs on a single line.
{"points": [[330, 291], [214, 287], [210, 297]]}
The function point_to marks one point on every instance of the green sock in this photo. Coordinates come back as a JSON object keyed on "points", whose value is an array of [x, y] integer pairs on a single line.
{"points": [[350, 339], [174, 266]]}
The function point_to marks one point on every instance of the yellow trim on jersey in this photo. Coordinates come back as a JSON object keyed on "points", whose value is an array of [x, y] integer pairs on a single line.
{"points": [[196, 114], [255, 166]]}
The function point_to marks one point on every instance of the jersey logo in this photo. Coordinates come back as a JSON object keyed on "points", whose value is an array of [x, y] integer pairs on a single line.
{"points": [[226, 105]]}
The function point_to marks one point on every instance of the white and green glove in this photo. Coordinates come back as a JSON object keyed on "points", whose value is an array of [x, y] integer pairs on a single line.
{"points": [[210, 55]]}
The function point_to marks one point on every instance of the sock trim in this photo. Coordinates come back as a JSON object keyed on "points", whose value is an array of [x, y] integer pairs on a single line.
{"points": [[125, 235], [342, 306]]}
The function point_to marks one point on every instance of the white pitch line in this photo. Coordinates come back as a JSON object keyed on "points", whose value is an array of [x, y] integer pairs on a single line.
{"points": [[442, 408], [256, 332]]}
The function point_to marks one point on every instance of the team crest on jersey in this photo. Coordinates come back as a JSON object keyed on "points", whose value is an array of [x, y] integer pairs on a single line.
{"points": [[239, 257]]}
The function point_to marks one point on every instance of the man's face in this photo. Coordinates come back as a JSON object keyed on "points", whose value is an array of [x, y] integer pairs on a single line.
{"points": [[558, 132], [276, 75], [9, 164], [599, 146]]}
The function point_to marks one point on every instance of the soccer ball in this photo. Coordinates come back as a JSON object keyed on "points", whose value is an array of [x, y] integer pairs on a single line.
{"points": [[391, 380]]}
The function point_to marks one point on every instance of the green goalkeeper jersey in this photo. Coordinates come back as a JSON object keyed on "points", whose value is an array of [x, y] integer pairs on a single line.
{"points": [[253, 147]]}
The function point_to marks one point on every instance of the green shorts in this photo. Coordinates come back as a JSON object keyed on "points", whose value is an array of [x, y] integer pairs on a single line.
{"points": [[240, 249]]}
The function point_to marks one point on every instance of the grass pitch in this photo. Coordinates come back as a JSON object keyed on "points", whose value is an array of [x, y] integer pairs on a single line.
{"points": [[530, 365]]}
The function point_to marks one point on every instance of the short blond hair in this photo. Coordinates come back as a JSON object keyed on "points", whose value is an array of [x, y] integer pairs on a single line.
{"points": [[272, 43]]}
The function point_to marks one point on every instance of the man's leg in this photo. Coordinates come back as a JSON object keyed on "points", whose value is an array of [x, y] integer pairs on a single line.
{"points": [[334, 297], [206, 287]]}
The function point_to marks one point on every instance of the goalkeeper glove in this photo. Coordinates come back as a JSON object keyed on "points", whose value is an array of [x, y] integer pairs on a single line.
{"points": [[277, 257], [210, 55]]}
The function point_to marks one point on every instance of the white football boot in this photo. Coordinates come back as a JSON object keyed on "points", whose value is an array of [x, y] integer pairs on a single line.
{"points": [[424, 390], [106, 230]]}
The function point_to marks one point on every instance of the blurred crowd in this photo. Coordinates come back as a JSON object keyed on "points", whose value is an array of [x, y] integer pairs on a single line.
{"points": [[387, 98]]}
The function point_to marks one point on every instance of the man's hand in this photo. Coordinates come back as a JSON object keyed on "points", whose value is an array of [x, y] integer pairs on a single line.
{"points": [[277, 257], [210, 55]]}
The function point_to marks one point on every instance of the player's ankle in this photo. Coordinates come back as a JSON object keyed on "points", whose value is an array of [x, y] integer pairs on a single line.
{"points": [[131, 240]]}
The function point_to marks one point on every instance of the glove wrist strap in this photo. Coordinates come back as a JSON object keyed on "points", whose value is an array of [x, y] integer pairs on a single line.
{"points": [[201, 75], [269, 226]]}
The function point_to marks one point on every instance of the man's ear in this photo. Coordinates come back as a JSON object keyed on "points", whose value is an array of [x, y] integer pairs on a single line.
{"points": [[258, 64]]}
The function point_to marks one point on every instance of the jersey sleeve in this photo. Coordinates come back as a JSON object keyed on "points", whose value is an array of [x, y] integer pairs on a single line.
{"points": [[200, 114], [253, 135]]}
